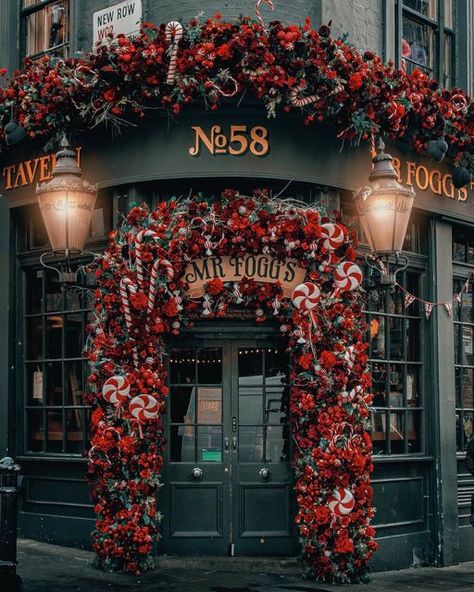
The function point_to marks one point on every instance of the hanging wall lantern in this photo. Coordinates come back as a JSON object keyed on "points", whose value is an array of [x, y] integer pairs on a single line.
{"points": [[384, 207], [66, 203]]}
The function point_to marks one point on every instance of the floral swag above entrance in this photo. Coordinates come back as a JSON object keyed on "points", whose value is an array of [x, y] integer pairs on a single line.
{"points": [[142, 297]]}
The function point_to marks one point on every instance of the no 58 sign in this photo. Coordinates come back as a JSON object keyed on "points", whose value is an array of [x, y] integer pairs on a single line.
{"points": [[239, 139]]}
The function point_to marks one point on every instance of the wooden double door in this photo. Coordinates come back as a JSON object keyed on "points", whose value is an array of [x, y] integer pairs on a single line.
{"points": [[228, 481]]}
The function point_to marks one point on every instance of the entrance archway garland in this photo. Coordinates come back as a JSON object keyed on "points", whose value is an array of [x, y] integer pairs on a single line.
{"points": [[141, 300]]}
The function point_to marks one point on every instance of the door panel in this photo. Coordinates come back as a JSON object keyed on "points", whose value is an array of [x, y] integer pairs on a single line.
{"points": [[228, 483]]}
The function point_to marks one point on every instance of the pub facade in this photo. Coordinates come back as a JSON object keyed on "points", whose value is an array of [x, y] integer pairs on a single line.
{"points": [[227, 476]]}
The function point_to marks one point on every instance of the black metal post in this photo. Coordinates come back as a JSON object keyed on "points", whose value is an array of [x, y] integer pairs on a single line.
{"points": [[10, 581]]}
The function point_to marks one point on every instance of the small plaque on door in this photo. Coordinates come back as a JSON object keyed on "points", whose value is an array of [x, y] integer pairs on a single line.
{"points": [[211, 455]]}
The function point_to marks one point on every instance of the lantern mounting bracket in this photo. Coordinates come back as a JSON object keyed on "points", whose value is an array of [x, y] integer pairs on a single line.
{"points": [[388, 274], [68, 277]]}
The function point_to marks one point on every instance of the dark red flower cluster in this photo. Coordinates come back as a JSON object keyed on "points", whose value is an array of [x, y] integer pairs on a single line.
{"points": [[125, 77], [329, 399]]}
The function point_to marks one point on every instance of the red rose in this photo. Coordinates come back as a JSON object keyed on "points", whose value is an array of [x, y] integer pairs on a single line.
{"points": [[355, 81], [215, 287]]}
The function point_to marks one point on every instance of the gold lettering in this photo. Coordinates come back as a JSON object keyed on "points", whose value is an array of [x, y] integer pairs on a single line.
{"points": [[435, 182], [396, 166], [463, 194], [45, 173], [31, 172], [8, 172], [258, 135], [423, 186], [200, 136], [448, 187], [411, 167], [20, 177]]}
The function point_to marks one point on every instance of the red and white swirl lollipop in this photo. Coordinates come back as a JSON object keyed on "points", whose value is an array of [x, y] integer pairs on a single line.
{"points": [[144, 407], [306, 296], [347, 277], [332, 235], [116, 389], [341, 502]]}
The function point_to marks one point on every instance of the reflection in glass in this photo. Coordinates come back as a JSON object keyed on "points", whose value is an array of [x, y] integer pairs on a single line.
{"points": [[397, 431], [467, 426], [412, 387], [379, 384], [209, 444], [54, 326], [182, 404], [34, 291], [276, 408], [74, 383], [182, 443], [251, 444], [412, 339], [414, 431], [209, 365], [34, 338], [377, 336], [250, 366], [182, 366], [251, 409], [378, 431], [417, 46], [277, 443], [74, 336], [54, 383], [276, 366], [396, 338], [467, 388], [74, 430], [396, 385], [428, 8], [467, 343]]}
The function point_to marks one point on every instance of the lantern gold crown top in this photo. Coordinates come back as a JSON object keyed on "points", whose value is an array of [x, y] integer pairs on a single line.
{"points": [[66, 162]]}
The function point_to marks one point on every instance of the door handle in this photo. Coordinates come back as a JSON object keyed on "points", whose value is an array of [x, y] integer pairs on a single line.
{"points": [[196, 473], [226, 445], [234, 443], [264, 473]]}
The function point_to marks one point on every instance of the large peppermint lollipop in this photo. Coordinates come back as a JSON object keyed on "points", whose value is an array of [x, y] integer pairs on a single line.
{"points": [[341, 502], [116, 389], [144, 407], [347, 277], [332, 235], [306, 296]]}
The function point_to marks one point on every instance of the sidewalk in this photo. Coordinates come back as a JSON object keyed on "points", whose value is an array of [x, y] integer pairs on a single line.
{"points": [[49, 568]]}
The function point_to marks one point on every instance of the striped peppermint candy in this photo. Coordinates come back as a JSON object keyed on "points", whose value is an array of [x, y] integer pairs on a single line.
{"points": [[347, 277], [341, 502], [116, 389], [306, 296], [139, 239], [332, 235], [173, 33], [144, 407]]}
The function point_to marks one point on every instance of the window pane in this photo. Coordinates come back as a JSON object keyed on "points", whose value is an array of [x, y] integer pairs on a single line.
{"points": [[379, 384], [34, 338], [396, 338], [250, 366], [449, 15], [467, 425], [427, 8], [418, 47], [377, 336], [448, 61], [209, 405], [251, 409], [34, 291], [412, 339], [467, 388], [459, 251], [276, 408], [277, 443], [467, 343], [276, 366], [74, 430], [182, 443], [46, 28], [413, 386], [54, 295], [74, 383], [182, 366], [35, 430], [250, 444], [378, 431], [397, 432], [54, 326], [54, 383], [74, 337], [182, 400], [54, 441], [209, 365], [414, 431], [466, 304], [396, 386], [209, 443]]}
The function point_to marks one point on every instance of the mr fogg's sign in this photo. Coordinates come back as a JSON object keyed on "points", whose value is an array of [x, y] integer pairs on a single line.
{"points": [[260, 268]]}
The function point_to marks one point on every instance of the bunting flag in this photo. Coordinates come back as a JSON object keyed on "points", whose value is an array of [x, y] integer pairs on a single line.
{"points": [[428, 306], [428, 309]]}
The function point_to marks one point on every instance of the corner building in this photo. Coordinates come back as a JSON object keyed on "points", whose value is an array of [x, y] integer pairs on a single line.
{"points": [[423, 369]]}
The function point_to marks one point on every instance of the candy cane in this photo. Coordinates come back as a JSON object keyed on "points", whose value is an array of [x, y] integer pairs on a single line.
{"points": [[126, 286], [297, 101], [154, 284], [257, 11], [173, 33], [138, 252]]}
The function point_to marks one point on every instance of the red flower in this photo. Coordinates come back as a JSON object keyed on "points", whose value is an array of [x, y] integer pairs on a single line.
{"points": [[327, 359], [215, 287], [355, 81]]}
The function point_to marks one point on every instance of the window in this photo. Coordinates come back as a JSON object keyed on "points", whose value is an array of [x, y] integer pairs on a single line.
{"points": [[426, 38], [394, 337], [45, 27], [463, 252], [54, 371]]}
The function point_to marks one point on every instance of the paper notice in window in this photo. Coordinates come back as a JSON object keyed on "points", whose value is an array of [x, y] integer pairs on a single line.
{"points": [[38, 385]]}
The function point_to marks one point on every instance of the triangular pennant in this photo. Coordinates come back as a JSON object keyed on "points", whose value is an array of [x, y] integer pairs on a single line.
{"points": [[428, 309], [458, 298], [409, 299], [449, 307]]}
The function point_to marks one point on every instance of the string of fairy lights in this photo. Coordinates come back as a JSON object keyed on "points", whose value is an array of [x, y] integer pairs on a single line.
{"points": [[190, 359]]}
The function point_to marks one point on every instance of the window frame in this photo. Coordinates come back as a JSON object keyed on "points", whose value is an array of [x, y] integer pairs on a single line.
{"points": [[25, 12], [441, 31]]}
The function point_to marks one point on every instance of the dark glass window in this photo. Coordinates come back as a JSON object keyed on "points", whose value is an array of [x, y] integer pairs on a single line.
{"points": [[394, 337], [54, 371], [463, 246], [46, 27], [425, 26]]}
